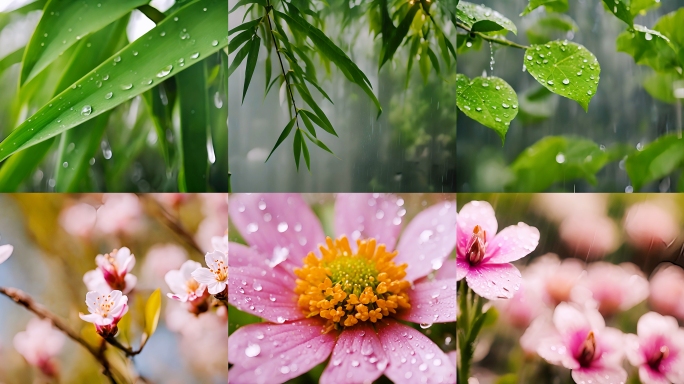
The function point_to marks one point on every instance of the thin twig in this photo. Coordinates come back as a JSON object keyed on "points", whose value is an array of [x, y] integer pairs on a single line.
{"points": [[172, 223], [280, 59], [22, 298], [128, 351], [492, 38]]}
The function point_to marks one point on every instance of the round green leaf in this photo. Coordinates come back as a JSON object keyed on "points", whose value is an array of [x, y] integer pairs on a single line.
{"points": [[655, 160], [550, 5], [648, 47], [565, 68], [620, 8], [482, 19], [488, 100]]}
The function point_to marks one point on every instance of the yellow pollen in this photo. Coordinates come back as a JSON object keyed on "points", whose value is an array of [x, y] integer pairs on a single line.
{"points": [[344, 287], [221, 272]]}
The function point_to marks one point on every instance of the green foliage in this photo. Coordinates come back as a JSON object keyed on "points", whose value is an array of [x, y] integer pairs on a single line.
{"points": [[546, 27], [655, 160], [565, 68], [487, 100], [479, 18], [550, 5]]}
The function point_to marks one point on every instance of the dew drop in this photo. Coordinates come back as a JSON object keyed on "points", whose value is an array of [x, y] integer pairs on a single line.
{"points": [[214, 43], [126, 87], [252, 350], [566, 81], [109, 95], [86, 110], [194, 55], [164, 72]]}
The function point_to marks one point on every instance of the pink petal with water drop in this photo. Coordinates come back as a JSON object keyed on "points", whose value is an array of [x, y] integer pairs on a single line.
{"points": [[270, 296], [428, 240], [512, 243], [472, 214], [432, 302], [361, 215], [448, 270], [275, 353], [600, 375], [413, 358], [244, 256], [358, 357], [494, 281], [462, 269], [270, 222]]}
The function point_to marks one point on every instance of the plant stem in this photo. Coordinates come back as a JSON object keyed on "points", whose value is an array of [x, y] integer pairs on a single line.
{"points": [[468, 325], [22, 298], [171, 222], [280, 59], [492, 38], [128, 351]]}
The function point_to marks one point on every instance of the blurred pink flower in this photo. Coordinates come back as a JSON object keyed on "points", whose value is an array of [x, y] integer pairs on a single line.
{"points": [[220, 243], [5, 252], [483, 257], [209, 228], [105, 311], [559, 206], [667, 291], [39, 344], [78, 219], [112, 272], [554, 278], [657, 349], [216, 276], [171, 200], [363, 342], [185, 288], [525, 305], [159, 260], [589, 236], [582, 342], [615, 287], [120, 213], [649, 226]]}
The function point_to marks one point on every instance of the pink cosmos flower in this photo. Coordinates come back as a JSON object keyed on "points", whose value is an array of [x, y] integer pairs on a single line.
{"points": [[580, 341], [650, 227], [216, 276], [657, 349], [120, 213], [5, 252], [78, 219], [667, 291], [106, 309], [112, 272], [39, 344], [336, 298], [483, 258], [185, 288], [615, 287], [525, 306]]}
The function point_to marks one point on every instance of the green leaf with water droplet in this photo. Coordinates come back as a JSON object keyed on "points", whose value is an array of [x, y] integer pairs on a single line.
{"points": [[398, 34], [488, 100], [640, 7], [63, 24], [656, 160], [142, 64], [483, 19], [545, 28], [557, 159], [661, 85], [620, 8], [565, 68], [670, 26], [648, 47], [550, 5]]}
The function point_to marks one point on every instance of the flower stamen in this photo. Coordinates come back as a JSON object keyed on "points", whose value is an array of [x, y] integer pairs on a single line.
{"points": [[476, 245]]}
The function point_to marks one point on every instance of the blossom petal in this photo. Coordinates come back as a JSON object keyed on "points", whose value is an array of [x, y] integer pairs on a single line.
{"points": [[462, 268], [600, 375], [494, 281], [5, 252], [362, 215], [270, 296], [244, 256], [568, 318], [432, 302], [204, 276], [650, 376], [428, 240], [653, 324], [512, 243], [413, 358], [91, 318], [358, 357], [472, 214], [271, 222], [552, 349], [448, 270], [275, 353]]}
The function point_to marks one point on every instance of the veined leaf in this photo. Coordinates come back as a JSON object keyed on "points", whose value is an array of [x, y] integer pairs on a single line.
{"points": [[565, 68], [550, 5], [482, 19], [252, 58], [239, 57], [52, 37], [657, 159], [620, 8], [648, 47], [488, 100], [128, 73]]}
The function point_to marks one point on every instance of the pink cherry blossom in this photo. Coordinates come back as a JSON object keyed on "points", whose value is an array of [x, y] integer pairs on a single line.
{"points": [[112, 272], [159, 260], [580, 341], [220, 243], [555, 279], [216, 276], [589, 236], [667, 291], [483, 257], [657, 349], [5, 252], [120, 213], [615, 287], [105, 311], [78, 219], [39, 344], [185, 288], [650, 226], [285, 236]]}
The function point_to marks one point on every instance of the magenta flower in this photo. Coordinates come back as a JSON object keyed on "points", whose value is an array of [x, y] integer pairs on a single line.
{"points": [[580, 341], [105, 311], [657, 349], [5, 252], [483, 257], [39, 344], [340, 298], [615, 287], [112, 272]]}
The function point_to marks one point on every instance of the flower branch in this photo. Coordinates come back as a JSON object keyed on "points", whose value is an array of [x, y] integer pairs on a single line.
{"points": [[171, 222], [492, 39]]}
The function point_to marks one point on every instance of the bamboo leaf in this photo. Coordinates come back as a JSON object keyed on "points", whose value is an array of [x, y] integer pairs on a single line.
{"points": [[307, 123], [318, 143], [239, 57], [297, 147], [433, 59], [318, 121], [320, 118], [283, 135], [252, 58], [399, 34], [305, 149]]}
